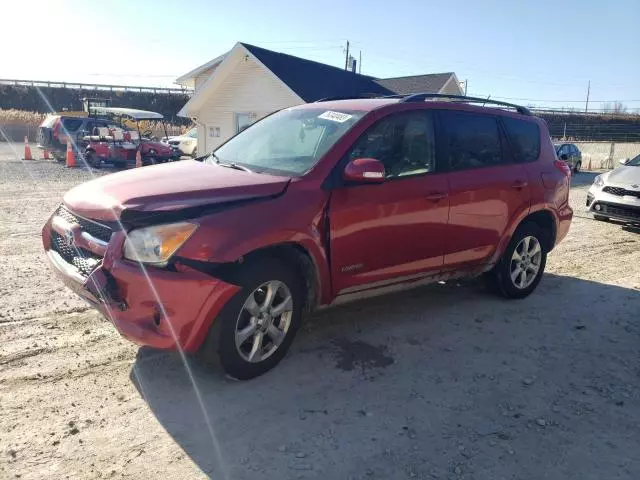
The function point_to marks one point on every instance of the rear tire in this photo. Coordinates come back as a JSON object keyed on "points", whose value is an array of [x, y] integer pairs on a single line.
{"points": [[520, 269], [224, 346], [600, 218], [194, 154]]}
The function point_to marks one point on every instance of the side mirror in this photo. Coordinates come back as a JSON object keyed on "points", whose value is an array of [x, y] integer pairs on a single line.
{"points": [[623, 161], [564, 157], [364, 170]]}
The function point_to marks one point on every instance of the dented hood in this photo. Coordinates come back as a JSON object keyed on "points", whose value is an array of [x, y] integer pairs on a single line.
{"points": [[169, 187]]}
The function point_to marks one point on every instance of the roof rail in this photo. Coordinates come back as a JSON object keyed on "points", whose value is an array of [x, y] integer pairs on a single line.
{"points": [[421, 97], [362, 96]]}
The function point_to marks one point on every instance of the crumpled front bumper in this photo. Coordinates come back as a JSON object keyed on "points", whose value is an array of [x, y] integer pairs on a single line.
{"points": [[623, 208], [149, 306]]}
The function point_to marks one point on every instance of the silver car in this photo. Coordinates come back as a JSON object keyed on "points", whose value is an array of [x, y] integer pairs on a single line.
{"points": [[616, 194]]}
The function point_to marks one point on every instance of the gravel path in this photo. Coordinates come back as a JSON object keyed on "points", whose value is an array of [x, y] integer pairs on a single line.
{"points": [[443, 382]]}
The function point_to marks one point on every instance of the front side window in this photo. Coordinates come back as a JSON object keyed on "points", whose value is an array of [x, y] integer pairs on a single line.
{"points": [[524, 138], [472, 140], [289, 142], [404, 143]]}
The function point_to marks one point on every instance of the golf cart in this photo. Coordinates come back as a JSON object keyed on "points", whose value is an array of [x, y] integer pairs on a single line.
{"points": [[120, 144]]}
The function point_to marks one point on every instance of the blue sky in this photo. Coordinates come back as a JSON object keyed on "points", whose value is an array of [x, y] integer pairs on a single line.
{"points": [[541, 53]]}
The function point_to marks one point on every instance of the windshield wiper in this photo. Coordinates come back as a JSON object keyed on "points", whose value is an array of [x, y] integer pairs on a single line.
{"points": [[235, 166]]}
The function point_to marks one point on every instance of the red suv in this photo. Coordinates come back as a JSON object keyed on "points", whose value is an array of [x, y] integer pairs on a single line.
{"points": [[313, 206]]}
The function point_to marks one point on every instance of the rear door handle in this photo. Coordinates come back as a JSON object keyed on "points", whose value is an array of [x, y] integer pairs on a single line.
{"points": [[519, 185], [437, 196]]}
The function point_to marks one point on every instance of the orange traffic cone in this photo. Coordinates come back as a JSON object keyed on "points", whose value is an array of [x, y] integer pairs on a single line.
{"points": [[138, 159], [71, 157], [27, 149], [45, 155]]}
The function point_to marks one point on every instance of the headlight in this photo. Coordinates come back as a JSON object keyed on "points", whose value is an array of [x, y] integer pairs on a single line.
{"points": [[598, 181], [155, 245]]}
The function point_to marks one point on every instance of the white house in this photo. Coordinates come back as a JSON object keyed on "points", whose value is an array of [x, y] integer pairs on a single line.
{"points": [[248, 82]]}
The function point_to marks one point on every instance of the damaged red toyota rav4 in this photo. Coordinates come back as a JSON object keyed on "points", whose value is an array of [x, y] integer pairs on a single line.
{"points": [[313, 205]]}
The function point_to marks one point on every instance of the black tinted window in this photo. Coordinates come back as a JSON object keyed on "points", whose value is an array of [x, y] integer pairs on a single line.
{"points": [[524, 138], [71, 124], [404, 143], [472, 140]]}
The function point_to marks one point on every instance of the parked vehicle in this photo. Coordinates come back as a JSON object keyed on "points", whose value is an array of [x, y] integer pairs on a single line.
{"points": [[102, 139], [120, 145], [571, 154], [55, 129], [616, 194], [187, 143], [313, 206]]}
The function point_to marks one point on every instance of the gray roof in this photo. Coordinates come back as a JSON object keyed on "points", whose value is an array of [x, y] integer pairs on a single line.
{"points": [[314, 81], [430, 83]]}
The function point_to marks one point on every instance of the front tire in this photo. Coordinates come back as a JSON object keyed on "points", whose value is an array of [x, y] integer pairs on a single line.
{"points": [[577, 168], [521, 267], [255, 329], [93, 160]]}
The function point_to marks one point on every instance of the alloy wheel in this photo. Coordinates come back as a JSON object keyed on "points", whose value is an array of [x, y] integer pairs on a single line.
{"points": [[263, 321], [525, 262]]}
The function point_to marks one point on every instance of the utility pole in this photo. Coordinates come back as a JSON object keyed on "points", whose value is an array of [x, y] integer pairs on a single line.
{"points": [[466, 82], [360, 63], [586, 106], [346, 58]]}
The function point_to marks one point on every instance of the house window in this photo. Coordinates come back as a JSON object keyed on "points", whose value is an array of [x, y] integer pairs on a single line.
{"points": [[243, 120]]}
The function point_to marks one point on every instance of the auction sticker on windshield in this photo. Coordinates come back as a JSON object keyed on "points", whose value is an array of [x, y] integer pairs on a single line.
{"points": [[335, 116]]}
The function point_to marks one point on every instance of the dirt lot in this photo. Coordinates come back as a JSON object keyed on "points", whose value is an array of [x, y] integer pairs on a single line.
{"points": [[444, 382]]}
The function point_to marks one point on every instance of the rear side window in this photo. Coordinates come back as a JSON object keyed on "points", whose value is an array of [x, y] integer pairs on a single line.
{"points": [[524, 138], [472, 140], [71, 124]]}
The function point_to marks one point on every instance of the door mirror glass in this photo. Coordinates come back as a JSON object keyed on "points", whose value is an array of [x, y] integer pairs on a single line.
{"points": [[364, 170]]}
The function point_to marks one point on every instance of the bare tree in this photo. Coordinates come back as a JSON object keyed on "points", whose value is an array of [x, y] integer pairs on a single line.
{"points": [[615, 107]]}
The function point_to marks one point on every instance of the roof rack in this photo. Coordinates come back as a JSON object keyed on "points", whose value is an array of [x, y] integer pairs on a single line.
{"points": [[421, 97]]}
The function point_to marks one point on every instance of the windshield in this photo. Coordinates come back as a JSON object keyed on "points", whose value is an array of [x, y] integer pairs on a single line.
{"points": [[634, 162], [289, 142]]}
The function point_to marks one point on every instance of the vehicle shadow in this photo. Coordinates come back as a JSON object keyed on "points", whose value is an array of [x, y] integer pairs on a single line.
{"points": [[441, 379], [583, 178]]}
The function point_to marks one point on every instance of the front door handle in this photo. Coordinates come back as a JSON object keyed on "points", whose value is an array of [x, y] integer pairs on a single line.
{"points": [[437, 196], [519, 185]]}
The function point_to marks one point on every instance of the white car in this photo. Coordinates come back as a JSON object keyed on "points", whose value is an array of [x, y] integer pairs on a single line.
{"points": [[616, 194], [187, 143]]}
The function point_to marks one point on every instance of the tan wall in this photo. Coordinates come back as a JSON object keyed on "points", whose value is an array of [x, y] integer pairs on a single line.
{"points": [[606, 154], [452, 89], [249, 88]]}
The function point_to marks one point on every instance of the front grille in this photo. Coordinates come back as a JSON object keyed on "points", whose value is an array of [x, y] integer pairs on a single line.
{"points": [[619, 211], [621, 192], [101, 232], [80, 258], [174, 142]]}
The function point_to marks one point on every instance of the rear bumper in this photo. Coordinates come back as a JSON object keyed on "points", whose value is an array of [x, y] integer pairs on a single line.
{"points": [[565, 215], [155, 307]]}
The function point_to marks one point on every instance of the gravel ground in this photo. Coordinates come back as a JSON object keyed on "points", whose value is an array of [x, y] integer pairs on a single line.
{"points": [[443, 382]]}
